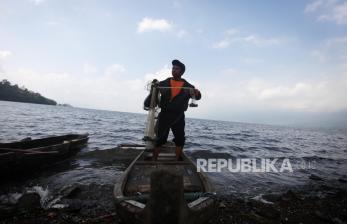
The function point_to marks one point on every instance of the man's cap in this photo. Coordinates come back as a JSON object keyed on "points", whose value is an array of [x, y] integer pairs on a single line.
{"points": [[179, 64]]}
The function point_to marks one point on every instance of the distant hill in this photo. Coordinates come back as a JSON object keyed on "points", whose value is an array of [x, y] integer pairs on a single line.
{"points": [[9, 92]]}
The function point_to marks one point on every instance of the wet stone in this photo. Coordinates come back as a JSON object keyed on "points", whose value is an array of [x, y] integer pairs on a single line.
{"points": [[7, 210], [74, 192], [222, 205], [71, 192], [29, 201], [338, 221], [52, 215], [74, 206], [321, 216], [272, 197], [289, 196], [265, 210]]}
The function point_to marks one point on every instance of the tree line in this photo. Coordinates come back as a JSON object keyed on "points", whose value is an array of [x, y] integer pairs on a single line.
{"points": [[9, 92]]}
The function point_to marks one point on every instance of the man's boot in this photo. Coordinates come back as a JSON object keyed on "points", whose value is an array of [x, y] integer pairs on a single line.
{"points": [[179, 153], [156, 151]]}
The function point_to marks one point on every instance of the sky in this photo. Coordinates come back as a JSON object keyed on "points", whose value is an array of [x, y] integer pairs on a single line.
{"points": [[272, 62]]}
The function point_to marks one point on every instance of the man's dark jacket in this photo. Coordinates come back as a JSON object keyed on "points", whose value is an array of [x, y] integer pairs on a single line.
{"points": [[179, 103]]}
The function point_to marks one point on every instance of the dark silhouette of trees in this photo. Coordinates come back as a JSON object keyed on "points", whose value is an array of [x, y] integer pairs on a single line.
{"points": [[10, 92]]}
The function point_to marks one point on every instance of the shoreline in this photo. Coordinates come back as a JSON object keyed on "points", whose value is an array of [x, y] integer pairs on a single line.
{"points": [[318, 203]]}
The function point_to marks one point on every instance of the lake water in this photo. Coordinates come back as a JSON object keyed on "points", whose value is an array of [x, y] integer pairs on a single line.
{"points": [[311, 152]]}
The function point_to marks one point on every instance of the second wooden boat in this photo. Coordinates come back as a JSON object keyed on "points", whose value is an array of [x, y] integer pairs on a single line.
{"points": [[27, 155]]}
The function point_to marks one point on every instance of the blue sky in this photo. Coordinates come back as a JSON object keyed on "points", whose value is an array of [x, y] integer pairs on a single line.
{"points": [[276, 62]]}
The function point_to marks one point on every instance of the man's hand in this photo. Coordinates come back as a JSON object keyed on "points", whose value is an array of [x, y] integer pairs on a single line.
{"points": [[194, 93], [197, 92]]}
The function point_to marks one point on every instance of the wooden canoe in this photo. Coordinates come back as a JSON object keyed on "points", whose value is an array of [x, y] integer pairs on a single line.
{"points": [[132, 191], [27, 155]]}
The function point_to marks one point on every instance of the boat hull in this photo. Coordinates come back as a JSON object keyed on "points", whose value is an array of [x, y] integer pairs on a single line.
{"points": [[29, 155], [132, 193]]}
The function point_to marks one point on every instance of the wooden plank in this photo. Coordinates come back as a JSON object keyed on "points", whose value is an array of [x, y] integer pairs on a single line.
{"points": [[137, 204], [198, 201], [162, 163], [27, 151], [131, 145], [44, 142], [167, 154], [6, 154], [165, 159]]}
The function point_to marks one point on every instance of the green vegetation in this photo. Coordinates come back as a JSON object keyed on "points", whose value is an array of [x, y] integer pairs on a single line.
{"points": [[10, 92]]}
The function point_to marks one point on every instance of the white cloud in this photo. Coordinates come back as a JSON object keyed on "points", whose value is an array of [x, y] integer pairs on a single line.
{"points": [[177, 4], [337, 41], [282, 92], [337, 48], [252, 60], [37, 2], [5, 54], [314, 6], [112, 90], [320, 95], [181, 33], [161, 74], [52, 23], [149, 24], [317, 96], [319, 55], [229, 71], [221, 44], [231, 32], [255, 40], [329, 10], [199, 31], [89, 68], [340, 13], [108, 90], [234, 36], [114, 70], [227, 39], [332, 50]]}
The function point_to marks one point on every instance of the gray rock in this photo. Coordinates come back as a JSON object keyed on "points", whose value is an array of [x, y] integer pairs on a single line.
{"points": [[338, 221], [29, 201], [70, 191]]}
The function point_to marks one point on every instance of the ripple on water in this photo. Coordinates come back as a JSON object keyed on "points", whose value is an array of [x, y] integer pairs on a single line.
{"points": [[97, 163]]}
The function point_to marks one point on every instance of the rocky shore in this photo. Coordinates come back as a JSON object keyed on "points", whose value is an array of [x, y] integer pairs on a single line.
{"points": [[318, 203]]}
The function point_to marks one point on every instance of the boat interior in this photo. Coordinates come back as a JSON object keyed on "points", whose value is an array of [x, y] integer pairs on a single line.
{"points": [[138, 180]]}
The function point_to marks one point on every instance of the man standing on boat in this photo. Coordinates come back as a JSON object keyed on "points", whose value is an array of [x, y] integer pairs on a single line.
{"points": [[175, 94]]}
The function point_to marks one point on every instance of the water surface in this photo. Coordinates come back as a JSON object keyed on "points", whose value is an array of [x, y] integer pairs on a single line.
{"points": [[100, 164]]}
